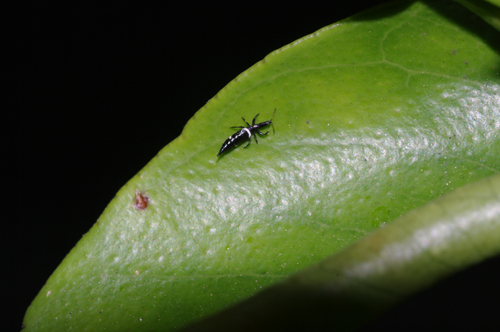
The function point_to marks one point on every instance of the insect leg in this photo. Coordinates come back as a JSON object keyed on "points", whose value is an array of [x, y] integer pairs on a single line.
{"points": [[249, 141], [263, 133], [255, 135], [238, 127], [253, 122], [245, 121]]}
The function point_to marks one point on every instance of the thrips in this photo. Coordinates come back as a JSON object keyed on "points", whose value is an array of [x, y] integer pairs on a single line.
{"points": [[246, 133]]}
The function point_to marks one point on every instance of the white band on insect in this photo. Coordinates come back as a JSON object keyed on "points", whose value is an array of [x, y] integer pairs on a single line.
{"points": [[248, 132]]}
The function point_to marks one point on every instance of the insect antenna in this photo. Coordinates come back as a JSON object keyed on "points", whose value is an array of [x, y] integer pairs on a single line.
{"points": [[272, 124]]}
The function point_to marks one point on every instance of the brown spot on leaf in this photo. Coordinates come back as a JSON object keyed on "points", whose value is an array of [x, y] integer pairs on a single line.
{"points": [[141, 201]]}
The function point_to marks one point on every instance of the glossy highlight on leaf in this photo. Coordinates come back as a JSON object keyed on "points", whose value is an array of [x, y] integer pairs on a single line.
{"points": [[378, 115], [347, 290]]}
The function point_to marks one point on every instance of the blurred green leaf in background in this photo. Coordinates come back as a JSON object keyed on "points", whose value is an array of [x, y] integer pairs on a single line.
{"points": [[377, 115], [489, 10]]}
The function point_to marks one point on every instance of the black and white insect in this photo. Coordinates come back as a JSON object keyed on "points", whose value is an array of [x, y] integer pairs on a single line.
{"points": [[246, 133]]}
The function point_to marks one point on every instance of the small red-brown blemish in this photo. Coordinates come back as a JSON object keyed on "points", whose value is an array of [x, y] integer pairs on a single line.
{"points": [[141, 201]]}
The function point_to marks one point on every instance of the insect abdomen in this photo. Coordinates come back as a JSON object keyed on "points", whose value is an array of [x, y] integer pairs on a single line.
{"points": [[235, 140]]}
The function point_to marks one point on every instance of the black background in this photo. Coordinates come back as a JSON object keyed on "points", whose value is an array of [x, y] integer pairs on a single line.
{"points": [[102, 89]]}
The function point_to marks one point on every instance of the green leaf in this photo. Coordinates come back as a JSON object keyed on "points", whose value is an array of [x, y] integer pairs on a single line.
{"points": [[348, 289], [376, 115]]}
